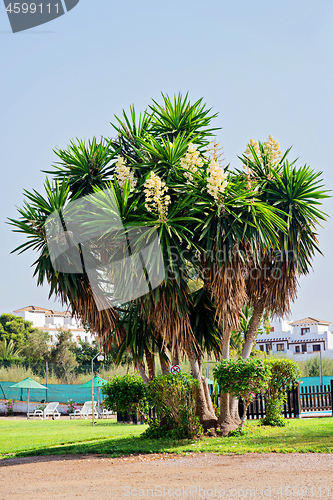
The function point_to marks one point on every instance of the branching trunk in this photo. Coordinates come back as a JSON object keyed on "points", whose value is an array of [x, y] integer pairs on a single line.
{"points": [[208, 396], [247, 404], [164, 364], [175, 359], [234, 409], [204, 408], [141, 369], [226, 421], [253, 328], [150, 363]]}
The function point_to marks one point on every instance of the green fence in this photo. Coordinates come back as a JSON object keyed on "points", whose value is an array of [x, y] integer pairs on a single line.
{"points": [[55, 392]]}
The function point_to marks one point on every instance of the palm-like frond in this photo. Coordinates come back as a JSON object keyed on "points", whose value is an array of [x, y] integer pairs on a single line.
{"points": [[180, 116], [85, 165]]}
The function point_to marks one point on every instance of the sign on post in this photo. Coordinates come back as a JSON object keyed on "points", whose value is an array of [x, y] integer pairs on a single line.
{"points": [[174, 369]]}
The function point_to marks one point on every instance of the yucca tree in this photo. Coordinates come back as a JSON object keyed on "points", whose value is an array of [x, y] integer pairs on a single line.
{"points": [[272, 281], [161, 176]]}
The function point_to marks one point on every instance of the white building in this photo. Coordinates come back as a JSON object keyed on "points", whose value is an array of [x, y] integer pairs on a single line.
{"points": [[50, 321], [306, 336]]}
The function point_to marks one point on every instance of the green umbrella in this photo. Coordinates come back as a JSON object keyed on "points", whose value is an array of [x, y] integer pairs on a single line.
{"points": [[98, 382], [28, 384]]}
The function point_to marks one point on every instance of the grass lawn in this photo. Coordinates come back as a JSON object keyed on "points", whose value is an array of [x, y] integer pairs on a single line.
{"points": [[44, 437]]}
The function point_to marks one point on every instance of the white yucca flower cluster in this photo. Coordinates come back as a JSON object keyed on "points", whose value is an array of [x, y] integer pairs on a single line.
{"points": [[216, 182], [191, 162], [157, 200], [271, 148], [123, 173]]}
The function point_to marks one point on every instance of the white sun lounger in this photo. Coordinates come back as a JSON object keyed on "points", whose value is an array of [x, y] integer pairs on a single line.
{"points": [[50, 410], [85, 411]]}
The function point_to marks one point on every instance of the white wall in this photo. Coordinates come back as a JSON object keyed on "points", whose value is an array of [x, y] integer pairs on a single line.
{"points": [[38, 319]]}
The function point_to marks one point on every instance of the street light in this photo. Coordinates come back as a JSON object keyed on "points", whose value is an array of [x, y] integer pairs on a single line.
{"points": [[100, 357]]}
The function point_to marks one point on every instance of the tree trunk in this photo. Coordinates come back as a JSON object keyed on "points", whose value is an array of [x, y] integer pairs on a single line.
{"points": [[150, 363], [207, 395], [226, 421], [204, 409], [234, 409], [164, 364], [141, 369], [253, 328], [247, 404], [175, 359]]}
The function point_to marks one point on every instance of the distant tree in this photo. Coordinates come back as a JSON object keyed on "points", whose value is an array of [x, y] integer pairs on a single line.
{"points": [[37, 347], [85, 352], [310, 367], [63, 355], [15, 328]]}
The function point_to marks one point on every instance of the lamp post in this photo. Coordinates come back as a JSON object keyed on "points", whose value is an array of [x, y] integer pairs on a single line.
{"points": [[100, 357], [320, 370]]}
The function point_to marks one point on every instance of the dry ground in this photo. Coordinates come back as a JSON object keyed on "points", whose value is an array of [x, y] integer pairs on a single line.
{"points": [[196, 476]]}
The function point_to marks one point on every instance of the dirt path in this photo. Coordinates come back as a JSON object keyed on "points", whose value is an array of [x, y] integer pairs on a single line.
{"points": [[197, 476]]}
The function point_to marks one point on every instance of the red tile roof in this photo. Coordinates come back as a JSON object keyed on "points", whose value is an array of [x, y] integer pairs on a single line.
{"points": [[310, 321], [48, 312]]}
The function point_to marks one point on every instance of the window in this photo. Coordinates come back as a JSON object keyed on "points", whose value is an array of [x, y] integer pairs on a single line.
{"points": [[303, 347], [305, 330], [297, 348], [316, 347], [86, 338], [280, 347], [272, 328], [261, 347], [268, 347], [78, 338]]}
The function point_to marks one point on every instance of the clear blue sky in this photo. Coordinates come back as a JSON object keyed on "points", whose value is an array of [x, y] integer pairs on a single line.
{"points": [[264, 66]]}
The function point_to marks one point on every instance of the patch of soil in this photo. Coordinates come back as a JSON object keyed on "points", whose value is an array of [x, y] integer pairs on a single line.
{"points": [[193, 476]]}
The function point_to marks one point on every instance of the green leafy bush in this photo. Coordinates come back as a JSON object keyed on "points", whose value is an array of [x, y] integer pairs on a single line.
{"points": [[285, 375], [174, 399], [126, 394], [242, 378]]}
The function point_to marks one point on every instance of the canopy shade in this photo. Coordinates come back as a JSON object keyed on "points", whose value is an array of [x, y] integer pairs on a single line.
{"points": [[28, 383], [97, 380]]}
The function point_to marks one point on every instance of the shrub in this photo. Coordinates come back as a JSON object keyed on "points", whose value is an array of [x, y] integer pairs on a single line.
{"points": [[285, 375], [126, 394], [40, 406], [9, 407], [242, 378], [174, 399], [71, 406]]}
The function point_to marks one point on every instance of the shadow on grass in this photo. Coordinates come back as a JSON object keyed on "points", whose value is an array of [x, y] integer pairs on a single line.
{"points": [[113, 447], [298, 437]]}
